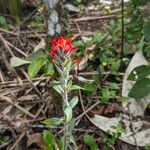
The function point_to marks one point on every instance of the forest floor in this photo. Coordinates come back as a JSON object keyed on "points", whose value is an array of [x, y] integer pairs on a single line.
{"points": [[25, 103]]}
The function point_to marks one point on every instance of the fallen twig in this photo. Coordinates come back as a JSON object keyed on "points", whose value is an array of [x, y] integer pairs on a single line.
{"points": [[18, 140], [17, 106], [96, 18]]}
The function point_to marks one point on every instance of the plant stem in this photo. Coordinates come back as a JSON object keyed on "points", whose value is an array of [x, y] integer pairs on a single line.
{"points": [[65, 120], [65, 104], [65, 134]]}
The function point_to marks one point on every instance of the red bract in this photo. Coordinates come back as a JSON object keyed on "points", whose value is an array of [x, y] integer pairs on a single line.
{"points": [[61, 45]]}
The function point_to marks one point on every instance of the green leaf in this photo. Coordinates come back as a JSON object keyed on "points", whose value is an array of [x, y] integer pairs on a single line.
{"points": [[71, 125], [38, 54], [4, 139], [73, 87], [58, 88], [113, 86], [73, 102], [49, 68], [78, 43], [35, 67], [140, 89], [90, 142], [89, 87], [140, 72], [123, 100], [146, 30], [49, 140], [68, 113], [126, 48], [61, 143], [3, 22], [52, 121], [115, 66], [16, 62], [59, 70], [107, 94]]}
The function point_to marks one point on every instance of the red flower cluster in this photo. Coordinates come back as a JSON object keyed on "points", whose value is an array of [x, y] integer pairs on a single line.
{"points": [[61, 45]]}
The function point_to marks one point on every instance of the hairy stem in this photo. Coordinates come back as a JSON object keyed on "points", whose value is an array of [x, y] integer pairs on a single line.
{"points": [[65, 104], [65, 120]]}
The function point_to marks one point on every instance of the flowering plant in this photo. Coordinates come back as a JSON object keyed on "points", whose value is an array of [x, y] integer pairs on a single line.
{"points": [[62, 57], [62, 47]]}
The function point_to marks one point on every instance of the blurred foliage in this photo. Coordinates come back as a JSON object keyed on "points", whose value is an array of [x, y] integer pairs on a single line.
{"points": [[49, 140], [112, 136], [147, 147], [138, 33], [12, 7], [138, 26], [90, 141], [3, 22], [4, 139], [142, 86], [37, 23], [109, 92]]}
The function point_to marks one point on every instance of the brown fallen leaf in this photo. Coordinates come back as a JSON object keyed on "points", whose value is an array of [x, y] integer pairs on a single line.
{"points": [[108, 109], [37, 139]]}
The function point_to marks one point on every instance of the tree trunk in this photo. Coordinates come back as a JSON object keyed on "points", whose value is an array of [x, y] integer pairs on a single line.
{"points": [[56, 18]]}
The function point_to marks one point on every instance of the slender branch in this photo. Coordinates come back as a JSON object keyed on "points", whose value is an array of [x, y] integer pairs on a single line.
{"points": [[122, 35]]}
